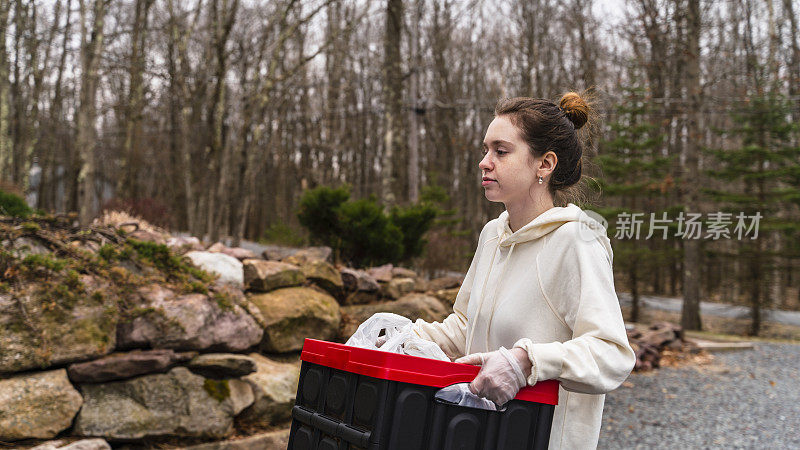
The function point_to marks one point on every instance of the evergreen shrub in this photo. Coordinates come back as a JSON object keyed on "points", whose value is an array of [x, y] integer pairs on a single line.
{"points": [[13, 205], [359, 231]]}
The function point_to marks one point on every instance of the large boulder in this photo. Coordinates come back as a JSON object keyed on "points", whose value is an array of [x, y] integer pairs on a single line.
{"points": [[413, 306], [265, 276], [360, 287], [381, 273], [361, 297], [38, 405], [293, 314], [237, 252], [278, 252], [175, 404], [227, 267], [44, 325], [274, 387], [24, 246], [447, 296], [119, 366], [189, 322], [324, 275], [399, 287], [402, 272], [183, 244], [309, 254], [358, 280], [235, 295], [438, 284]]}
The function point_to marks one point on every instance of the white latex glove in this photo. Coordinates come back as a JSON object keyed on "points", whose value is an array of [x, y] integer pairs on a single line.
{"points": [[501, 375]]}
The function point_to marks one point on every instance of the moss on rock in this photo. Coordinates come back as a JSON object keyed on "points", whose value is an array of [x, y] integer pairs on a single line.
{"points": [[67, 290], [217, 389], [293, 314]]}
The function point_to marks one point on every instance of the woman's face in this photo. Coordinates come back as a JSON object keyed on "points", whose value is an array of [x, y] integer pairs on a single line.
{"points": [[508, 169]]}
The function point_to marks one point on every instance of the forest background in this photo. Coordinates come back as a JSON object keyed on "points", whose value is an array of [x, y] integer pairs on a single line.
{"points": [[214, 116]]}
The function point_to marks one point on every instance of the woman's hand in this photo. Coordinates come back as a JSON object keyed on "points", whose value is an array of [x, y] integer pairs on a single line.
{"points": [[502, 373]]}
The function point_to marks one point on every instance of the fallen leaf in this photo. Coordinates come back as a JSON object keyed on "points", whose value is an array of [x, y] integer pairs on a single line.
{"points": [[630, 409], [627, 384], [771, 383]]}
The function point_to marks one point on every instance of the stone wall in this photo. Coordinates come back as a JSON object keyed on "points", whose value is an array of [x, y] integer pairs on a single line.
{"points": [[157, 363]]}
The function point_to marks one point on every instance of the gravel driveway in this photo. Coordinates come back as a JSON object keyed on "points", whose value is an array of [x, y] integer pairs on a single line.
{"points": [[712, 309], [744, 399]]}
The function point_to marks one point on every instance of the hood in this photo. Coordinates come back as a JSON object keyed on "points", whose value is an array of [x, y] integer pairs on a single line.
{"points": [[549, 221], [545, 223]]}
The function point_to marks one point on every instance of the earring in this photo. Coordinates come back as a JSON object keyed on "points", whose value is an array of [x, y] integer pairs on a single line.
{"points": [[540, 179]]}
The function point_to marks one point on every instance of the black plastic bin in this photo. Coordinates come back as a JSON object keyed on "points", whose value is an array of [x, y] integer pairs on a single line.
{"points": [[353, 398]]}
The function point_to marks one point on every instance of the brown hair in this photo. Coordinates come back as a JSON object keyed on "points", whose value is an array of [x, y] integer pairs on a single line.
{"points": [[545, 126]]}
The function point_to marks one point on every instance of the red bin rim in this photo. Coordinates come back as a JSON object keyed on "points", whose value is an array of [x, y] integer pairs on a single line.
{"points": [[410, 369]]}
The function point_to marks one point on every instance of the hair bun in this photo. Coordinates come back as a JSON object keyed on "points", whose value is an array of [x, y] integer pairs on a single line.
{"points": [[575, 108]]}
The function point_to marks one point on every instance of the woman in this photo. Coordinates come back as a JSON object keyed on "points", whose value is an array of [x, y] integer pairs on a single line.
{"points": [[540, 283]]}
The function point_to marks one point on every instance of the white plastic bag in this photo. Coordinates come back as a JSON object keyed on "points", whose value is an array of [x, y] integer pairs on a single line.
{"points": [[399, 337], [381, 323], [459, 394]]}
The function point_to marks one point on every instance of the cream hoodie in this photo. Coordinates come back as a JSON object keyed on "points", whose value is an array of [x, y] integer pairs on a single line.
{"points": [[549, 289]]}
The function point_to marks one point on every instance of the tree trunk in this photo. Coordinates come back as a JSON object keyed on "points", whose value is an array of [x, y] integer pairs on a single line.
{"points": [[794, 59], [57, 146], [18, 121], [583, 12], [223, 17], [529, 31], [690, 315], [755, 289], [32, 126], [91, 46], [132, 150], [6, 157], [392, 191], [635, 306], [773, 45], [416, 109]]}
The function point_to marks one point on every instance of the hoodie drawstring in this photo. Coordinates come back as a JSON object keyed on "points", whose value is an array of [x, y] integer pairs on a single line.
{"points": [[480, 303], [497, 287], [494, 296]]}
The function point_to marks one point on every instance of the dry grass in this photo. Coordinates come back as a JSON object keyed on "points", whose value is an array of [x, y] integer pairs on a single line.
{"points": [[116, 218]]}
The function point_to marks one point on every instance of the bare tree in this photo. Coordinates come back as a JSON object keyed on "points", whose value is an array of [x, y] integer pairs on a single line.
{"points": [[135, 101], [57, 150], [582, 16], [222, 112], [416, 109], [392, 168], [91, 47], [6, 147], [223, 16]]}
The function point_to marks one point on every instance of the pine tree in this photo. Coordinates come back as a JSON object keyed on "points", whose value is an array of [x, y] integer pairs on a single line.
{"points": [[759, 177], [635, 176]]}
